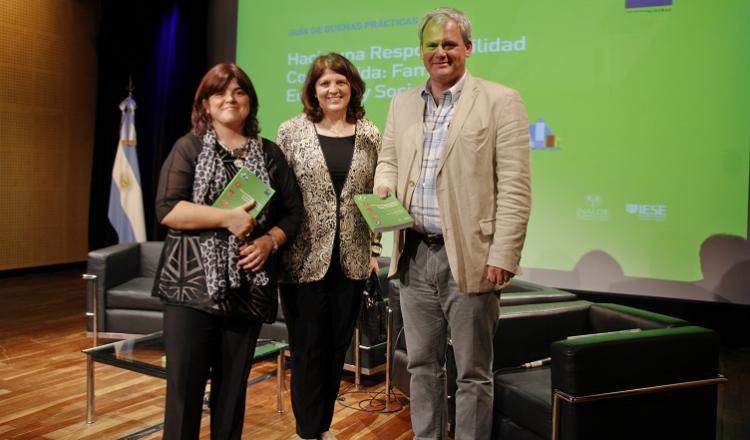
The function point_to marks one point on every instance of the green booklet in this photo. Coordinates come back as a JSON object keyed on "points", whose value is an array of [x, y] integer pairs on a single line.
{"points": [[243, 187], [382, 215]]}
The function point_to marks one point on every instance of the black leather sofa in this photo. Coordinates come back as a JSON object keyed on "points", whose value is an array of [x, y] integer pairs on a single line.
{"points": [[125, 276], [517, 292], [618, 348], [598, 354]]}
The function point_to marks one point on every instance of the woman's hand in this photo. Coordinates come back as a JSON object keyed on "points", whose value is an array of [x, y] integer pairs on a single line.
{"points": [[374, 265], [255, 254], [238, 221]]}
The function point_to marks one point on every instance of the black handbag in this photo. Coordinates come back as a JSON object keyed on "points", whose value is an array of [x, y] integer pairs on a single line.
{"points": [[261, 303], [373, 321]]}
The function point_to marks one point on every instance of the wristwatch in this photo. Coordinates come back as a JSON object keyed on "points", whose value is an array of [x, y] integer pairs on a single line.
{"points": [[275, 243]]}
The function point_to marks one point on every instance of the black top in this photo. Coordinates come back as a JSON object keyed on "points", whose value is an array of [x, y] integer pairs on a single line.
{"points": [[176, 183], [338, 152], [284, 210]]}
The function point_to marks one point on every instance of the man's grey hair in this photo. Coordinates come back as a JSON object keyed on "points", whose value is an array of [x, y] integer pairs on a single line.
{"points": [[441, 17]]}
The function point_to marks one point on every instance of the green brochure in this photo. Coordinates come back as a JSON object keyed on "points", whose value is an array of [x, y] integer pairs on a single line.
{"points": [[243, 187], [383, 215]]}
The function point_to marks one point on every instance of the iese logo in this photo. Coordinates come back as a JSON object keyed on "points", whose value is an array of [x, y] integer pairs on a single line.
{"points": [[647, 212]]}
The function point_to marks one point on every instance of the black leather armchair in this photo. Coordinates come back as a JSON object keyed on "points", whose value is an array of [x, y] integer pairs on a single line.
{"points": [[632, 375], [125, 275], [124, 305]]}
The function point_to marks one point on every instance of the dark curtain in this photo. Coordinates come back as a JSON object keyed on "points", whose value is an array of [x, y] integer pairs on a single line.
{"points": [[162, 46]]}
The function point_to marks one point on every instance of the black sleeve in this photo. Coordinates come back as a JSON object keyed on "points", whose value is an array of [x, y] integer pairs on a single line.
{"points": [[289, 200], [177, 173]]}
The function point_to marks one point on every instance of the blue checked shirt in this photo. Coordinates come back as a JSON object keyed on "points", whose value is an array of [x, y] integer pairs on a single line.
{"points": [[437, 119]]}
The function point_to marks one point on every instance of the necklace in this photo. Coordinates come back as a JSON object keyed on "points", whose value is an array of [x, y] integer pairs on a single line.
{"points": [[337, 132], [238, 153], [340, 132]]}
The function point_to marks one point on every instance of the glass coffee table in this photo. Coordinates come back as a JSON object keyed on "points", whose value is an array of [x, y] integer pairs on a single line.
{"points": [[145, 355]]}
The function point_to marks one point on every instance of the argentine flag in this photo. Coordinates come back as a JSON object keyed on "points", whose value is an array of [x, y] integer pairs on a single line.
{"points": [[125, 198]]}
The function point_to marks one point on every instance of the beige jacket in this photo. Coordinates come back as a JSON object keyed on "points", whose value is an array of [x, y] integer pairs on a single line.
{"points": [[483, 180], [309, 255]]}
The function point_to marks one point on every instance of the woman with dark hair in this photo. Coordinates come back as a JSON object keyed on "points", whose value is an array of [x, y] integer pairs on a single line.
{"points": [[210, 286], [332, 150]]}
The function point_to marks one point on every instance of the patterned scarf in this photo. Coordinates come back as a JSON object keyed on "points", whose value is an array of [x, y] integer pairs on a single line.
{"points": [[219, 248]]}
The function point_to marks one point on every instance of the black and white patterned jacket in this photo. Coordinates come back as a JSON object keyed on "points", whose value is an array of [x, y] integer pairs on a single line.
{"points": [[307, 258]]}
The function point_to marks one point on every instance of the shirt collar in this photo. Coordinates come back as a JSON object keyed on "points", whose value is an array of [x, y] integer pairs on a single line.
{"points": [[454, 91]]}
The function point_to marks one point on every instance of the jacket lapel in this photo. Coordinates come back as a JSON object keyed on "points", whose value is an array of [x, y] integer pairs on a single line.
{"points": [[317, 155], [358, 160], [463, 108], [419, 131], [417, 145]]}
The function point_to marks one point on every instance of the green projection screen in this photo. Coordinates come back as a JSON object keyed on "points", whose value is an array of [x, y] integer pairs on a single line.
{"points": [[639, 116]]}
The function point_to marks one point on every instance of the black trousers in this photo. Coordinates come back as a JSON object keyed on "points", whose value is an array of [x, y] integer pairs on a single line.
{"points": [[320, 317], [200, 345]]}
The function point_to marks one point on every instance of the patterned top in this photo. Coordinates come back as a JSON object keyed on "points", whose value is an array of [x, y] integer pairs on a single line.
{"points": [[176, 184], [437, 119], [308, 257]]}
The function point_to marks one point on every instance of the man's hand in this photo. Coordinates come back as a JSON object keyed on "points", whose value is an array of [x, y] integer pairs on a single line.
{"points": [[382, 191], [498, 275]]}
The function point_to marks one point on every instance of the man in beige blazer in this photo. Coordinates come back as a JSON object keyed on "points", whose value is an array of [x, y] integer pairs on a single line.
{"points": [[456, 153]]}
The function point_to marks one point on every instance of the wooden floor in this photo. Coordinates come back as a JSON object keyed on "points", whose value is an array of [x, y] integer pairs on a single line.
{"points": [[43, 387], [43, 378]]}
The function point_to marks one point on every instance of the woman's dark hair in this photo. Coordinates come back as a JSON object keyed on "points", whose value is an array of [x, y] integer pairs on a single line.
{"points": [[342, 66], [215, 81]]}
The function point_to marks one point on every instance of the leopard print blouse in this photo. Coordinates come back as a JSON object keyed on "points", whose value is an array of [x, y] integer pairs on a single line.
{"points": [[307, 258]]}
